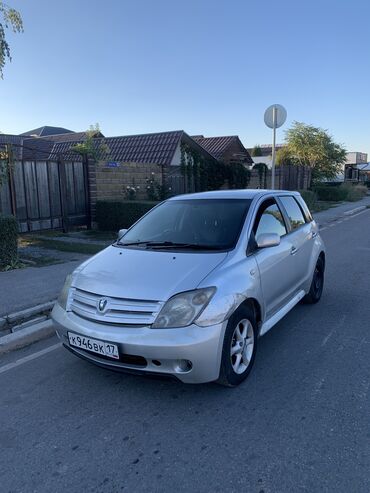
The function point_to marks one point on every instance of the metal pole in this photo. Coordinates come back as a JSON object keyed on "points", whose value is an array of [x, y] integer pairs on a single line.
{"points": [[274, 111]]}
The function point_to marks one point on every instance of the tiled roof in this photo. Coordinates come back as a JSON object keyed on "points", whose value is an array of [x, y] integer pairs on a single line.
{"points": [[36, 149], [47, 131], [70, 137], [27, 148], [16, 142], [147, 148], [156, 148], [217, 146]]}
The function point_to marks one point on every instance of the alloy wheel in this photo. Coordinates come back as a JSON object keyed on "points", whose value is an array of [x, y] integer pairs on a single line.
{"points": [[242, 344]]}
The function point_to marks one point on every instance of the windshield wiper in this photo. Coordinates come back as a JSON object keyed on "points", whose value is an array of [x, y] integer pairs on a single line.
{"points": [[171, 244], [134, 243], [191, 246]]}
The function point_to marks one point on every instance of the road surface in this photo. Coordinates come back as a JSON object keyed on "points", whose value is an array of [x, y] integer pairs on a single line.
{"points": [[300, 423]]}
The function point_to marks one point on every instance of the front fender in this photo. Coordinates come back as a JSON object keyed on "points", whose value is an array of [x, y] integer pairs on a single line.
{"points": [[236, 281]]}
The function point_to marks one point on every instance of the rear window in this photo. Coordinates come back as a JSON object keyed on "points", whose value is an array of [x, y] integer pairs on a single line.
{"points": [[293, 211]]}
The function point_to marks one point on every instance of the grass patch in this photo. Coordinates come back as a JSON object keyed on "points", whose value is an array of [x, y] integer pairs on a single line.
{"points": [[85, 248], [15, 264], [35, 261], [100, 235], [64, 246], [52, 233], [323, 205]]}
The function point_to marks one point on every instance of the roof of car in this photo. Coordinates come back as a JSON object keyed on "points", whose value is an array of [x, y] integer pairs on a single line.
{"points": [[232, 194]]}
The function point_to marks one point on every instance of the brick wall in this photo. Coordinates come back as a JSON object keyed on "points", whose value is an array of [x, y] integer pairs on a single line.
{"points": [[111, 183]]}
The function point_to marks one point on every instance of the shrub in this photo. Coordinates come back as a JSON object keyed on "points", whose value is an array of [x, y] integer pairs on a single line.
{"points": [[310, 197], [130, 192], [328, 193], [354, 192], [345, 191], [8, 240], [238, 175], [112, 216], [155, 191]]}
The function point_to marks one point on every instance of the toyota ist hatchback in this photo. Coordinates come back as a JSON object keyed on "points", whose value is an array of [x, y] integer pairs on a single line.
{"points": [[190, 287]]}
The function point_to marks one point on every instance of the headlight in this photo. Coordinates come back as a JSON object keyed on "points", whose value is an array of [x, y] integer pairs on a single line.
{"points": [[183, 309], [63, 298]]}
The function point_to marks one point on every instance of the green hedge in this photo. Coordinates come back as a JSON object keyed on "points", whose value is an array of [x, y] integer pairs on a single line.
{"points": [[310, 197], [8, 240], [112, 216], [328, 193], [345, 191]]}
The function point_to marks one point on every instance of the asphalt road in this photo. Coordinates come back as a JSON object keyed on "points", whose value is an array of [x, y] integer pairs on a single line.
{"points": [[300, 423]]}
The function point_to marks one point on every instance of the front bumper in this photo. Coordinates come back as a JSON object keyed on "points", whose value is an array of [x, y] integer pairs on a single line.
{"points": [[202, 346]]}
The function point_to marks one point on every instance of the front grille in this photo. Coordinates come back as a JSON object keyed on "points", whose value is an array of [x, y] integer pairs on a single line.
{"points": [[116, 310]]}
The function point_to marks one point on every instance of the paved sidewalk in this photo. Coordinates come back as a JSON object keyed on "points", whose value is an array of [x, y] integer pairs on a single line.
{"points": [[24, 288], [334, 213]]}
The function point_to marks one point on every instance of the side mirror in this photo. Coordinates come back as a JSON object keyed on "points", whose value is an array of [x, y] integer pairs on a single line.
{"points": [[121, 232], [266, 240]]}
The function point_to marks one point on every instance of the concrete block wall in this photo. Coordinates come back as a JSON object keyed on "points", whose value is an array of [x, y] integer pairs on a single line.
{"points": [[106, 183]]}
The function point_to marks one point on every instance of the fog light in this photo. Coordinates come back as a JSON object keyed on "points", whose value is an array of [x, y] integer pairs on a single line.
{"points": [[183, 366]]}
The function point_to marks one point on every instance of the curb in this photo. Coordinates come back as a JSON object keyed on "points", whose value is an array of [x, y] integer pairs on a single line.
{"points": [[19, 317], [354, 211], [20, 329], [26, 336]]}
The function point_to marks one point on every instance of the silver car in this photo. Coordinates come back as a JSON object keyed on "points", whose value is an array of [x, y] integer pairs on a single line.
{"points": [[189, 288]]}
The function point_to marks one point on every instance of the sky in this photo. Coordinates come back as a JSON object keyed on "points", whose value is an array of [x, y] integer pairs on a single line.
{"points": [[208, 67]]}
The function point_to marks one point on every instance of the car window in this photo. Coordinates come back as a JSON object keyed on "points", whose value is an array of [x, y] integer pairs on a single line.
{"points": [[269, 220], [306, 210], [293, 211], [207, 222]]}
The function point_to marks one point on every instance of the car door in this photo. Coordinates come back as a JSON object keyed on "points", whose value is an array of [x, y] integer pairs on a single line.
{"points": [[274, 263], [301, 237]]}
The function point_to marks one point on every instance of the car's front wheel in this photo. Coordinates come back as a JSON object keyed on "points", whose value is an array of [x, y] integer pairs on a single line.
{"points": [[239, 347]]}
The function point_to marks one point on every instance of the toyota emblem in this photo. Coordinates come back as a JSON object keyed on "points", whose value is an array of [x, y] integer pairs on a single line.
{"points": [[102, 304]]}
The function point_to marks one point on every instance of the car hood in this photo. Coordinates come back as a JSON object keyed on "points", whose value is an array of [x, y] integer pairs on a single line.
{"points": [[144, 274]]}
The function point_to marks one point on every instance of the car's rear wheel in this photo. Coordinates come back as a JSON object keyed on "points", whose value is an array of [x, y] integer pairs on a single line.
{"points": [[239, 347], [317, 284]]}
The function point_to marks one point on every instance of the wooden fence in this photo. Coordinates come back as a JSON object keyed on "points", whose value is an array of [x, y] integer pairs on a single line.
{"points": [[46, 194], [286, 178]]}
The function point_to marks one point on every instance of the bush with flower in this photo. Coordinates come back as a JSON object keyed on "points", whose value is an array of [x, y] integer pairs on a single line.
{"points": [[131, 192], [156, 191]]}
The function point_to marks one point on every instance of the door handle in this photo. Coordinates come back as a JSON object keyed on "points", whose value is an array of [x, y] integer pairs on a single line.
{"points": [[293, 250], [314, 234]]}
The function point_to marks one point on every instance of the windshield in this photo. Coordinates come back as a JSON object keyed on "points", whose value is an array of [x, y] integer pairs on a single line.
{"points": [[200, 223]]}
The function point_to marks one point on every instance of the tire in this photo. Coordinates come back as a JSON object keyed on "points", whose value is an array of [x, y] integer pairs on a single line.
{"points": [[317, 284], [241, 329]]}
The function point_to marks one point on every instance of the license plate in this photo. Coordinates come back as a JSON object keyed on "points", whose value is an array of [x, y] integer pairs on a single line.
{"points": [[93, 345]]}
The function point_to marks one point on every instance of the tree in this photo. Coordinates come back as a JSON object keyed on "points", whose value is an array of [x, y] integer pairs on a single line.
{"points": [[11, 18], [284, 157], [262, 172], [314, 147], [256, 151], [91, 148]]}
